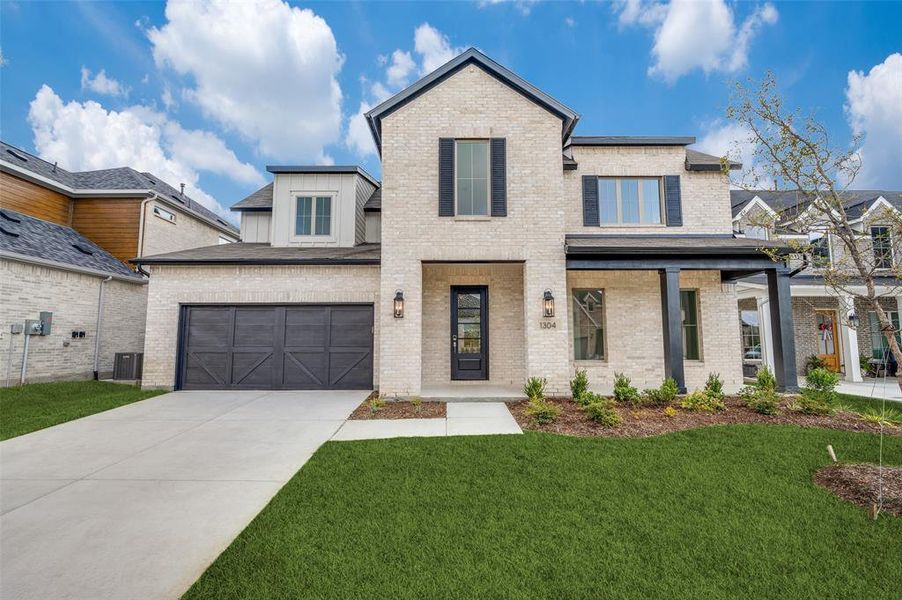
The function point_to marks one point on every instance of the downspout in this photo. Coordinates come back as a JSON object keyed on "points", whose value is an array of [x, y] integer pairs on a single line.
{"points": [[97, 332], [141, 224]]}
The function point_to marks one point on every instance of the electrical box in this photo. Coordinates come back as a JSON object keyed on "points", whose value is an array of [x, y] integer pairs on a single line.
{"points": [[32, 327], [46, 322], [15, 328]]}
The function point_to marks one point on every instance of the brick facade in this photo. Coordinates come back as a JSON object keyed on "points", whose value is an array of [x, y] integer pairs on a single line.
{"points": [[161, 236], [26, 290]]}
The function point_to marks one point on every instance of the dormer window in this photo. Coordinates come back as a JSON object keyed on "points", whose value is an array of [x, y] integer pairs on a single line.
{"points": [[313, 215], [472, 174]]}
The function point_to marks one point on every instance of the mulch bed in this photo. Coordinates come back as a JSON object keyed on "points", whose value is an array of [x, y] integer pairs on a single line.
{"points": [[857, 483], [649, 421], [399, 409]]}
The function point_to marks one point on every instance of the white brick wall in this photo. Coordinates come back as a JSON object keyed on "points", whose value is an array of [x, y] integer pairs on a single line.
{"points": [[161, 236], [171, 286], [26, 290]]}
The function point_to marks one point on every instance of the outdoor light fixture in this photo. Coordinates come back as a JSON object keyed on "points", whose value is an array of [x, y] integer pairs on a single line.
{"points": [[854, 321], [399, 304], [548, 304]]}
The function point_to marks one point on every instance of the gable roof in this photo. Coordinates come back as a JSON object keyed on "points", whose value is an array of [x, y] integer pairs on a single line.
{"points": [[23, 237], [699, 161], [472, 56], [374, 202], [792, 203], [119, 180], [261, 200]]}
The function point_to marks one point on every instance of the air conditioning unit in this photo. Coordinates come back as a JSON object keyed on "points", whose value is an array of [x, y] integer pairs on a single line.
{"points": [[128, 365]]}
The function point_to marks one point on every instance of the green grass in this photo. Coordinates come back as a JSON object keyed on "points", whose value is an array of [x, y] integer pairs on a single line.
{"points": [[863, 404], [719, 512], [36, 406]]}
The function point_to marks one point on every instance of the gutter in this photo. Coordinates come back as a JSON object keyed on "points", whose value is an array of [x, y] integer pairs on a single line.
{"points": [[321, 262], [43, 262]]}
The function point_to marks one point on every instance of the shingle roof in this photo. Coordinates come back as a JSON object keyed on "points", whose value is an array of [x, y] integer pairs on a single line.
{"points": [[264, 254], [119, 178], [374, 202], [672, 244], [259, 200], [24, 235], [791, 203], [316, 169], [699, 161]]}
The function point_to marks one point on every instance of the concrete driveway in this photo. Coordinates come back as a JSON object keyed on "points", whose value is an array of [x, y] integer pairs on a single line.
{"points": [[136, 502]]}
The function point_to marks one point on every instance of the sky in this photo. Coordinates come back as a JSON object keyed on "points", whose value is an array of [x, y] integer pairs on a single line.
{"points": [[208, 93]]}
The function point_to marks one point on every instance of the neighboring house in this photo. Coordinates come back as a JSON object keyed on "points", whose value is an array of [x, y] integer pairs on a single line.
{"points": [[65, 242], [820, 313], [499, 246]]}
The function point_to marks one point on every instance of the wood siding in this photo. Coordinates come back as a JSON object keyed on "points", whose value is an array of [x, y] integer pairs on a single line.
{"points": [[30, 199], [111, 223]]}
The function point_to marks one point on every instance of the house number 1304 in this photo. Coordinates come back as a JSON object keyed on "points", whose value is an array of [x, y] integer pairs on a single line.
{"points": [[548, 324]]}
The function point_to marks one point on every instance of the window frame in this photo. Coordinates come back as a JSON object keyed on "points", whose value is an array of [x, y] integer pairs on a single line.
{"points": [[488, 179], [743, 335], [826, 236], [333, 216], [876, 334], [619, 199], [889, 241], [164, 214], [603, 325], [697, 325]]}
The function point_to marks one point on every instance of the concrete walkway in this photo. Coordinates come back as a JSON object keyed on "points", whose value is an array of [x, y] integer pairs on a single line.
{"points": [[463, 418], [871, 388], [136, 502]]}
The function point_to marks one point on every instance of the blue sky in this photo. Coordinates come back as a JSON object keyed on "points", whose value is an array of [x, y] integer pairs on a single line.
{"points": [[210, 93]]}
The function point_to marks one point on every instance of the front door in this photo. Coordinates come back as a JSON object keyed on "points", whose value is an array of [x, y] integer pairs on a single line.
{"points": [[469, 332], [827, 344]]}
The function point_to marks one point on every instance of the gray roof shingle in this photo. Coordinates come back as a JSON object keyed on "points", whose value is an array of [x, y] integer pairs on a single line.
{"points": [[374, 202], [791, 203], [699, 161], [264, 254], [671, 244], [259, 200], [24, 235]]}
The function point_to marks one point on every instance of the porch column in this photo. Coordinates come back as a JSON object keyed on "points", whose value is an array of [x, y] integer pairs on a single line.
{"points": [[673, 326], [849, 339], [767, 341], [781, 329]]}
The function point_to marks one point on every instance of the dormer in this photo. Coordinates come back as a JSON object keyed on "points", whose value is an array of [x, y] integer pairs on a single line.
{"points": [[310, 206]]}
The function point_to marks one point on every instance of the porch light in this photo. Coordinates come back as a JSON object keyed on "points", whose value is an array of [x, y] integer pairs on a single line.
{"points": [[548, 304], [399, 304], [854, 321]]}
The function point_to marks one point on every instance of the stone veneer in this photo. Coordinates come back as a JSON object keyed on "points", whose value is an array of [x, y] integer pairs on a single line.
{"points": [[171, 286], [27, 289]]}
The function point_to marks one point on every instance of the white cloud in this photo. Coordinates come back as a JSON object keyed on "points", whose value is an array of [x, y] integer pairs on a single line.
{"points": [[693, 35], [101, 83], [523, 6], [168, 101], [263, 69], [432, 49], [570, 22], [874, 110], [736, 142], [85, 136]]}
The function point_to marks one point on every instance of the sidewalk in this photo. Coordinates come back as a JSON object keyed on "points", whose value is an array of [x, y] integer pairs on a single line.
{"points": [[872, 388], [463, 418]]}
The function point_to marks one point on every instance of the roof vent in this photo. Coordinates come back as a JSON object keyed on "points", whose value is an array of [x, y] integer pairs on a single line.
{"points": [[83, 250], [8, 232], [177, 198], [9, 217], [182, 192], [54, 166], [17, 155]]}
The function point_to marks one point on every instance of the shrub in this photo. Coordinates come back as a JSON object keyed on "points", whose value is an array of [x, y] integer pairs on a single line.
{"points": [[417, 403], [887, 417], [603, 413], [864, 361], [592, 398], [765, 380], [376, 403], [714, 385], [819, 395], [823, 381], [670, 412], [699, 400], [579, 385], [814, 362], [535, 388], [542, 411], [765, 402], [624, 390], [662, 395], [813, 403]]}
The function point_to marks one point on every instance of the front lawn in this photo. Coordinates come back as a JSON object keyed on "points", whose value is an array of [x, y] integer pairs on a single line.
{"points": [[864, 405], [38, 405], [718, 512]]}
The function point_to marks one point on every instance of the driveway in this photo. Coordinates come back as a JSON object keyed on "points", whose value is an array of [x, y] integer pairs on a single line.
{"points": [[136, 502]]}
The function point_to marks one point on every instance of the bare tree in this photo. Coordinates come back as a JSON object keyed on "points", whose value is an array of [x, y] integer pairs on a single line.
{"points": [[793, 152]]}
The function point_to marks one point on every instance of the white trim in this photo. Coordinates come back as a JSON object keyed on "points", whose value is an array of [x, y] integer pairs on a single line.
{"points": [[892, 246], [164, 214], [488, 177], [756, 201], [640, 196], [332, 236], [880, 201], [43, 262]]}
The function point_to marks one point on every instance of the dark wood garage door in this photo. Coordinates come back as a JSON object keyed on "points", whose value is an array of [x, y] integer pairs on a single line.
{"points": [[303, 347]]}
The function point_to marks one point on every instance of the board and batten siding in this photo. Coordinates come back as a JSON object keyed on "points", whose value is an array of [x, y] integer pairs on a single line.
{"points": [[373, 228], [256, 226], [343, 188], [33, 200], [364, 190]]}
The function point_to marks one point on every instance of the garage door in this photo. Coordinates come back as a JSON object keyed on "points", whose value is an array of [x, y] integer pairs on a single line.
{"points": [[302, 347]]}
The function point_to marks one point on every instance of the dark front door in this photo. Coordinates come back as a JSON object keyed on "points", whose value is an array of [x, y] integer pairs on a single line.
{"points": [[469, 332]]}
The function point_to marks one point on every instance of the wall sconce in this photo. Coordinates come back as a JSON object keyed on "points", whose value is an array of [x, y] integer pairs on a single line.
{"points": [[854, 321], [548, 304], [399, 304]]}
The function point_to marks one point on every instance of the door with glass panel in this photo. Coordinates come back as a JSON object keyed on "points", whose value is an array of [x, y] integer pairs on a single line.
{"points": [[469, 332], [827, 344]]}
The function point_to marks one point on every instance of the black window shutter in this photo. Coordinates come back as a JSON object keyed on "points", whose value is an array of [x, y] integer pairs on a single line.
{"points": [[499, 177], [446, 177], [673, 205], [590, 201]]}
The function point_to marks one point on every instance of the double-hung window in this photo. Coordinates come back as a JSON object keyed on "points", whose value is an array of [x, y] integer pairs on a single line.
{"points": [[882, 243], [588, 324], [629, 201], [472, 177], [879, 345], [691, 334], [313, 215]]}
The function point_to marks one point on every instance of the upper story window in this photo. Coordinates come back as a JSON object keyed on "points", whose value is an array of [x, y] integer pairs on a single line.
{"points": [[881, 242], [821, 254], [471, 170], [629, 201], [164, 214], [313, 215]]}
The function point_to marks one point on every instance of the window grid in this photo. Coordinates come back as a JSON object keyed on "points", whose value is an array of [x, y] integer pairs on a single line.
{"points": [[471, 171], [588, 324], [879, 345], [881, 242], [313, 215]]}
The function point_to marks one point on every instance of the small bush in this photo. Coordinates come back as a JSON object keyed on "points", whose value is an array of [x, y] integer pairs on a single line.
{"points": [[417, 403], [670, 412], [535, 388], [579, 385], [714, 385], [765, 402], [663, 395], [864, 361], [699, 400], [887, 417], [624, 390], [765, 380], [822, 380], [593, 398], [814, 362], [813, 403], [603, 413], [376, 403], [542, 411]]}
